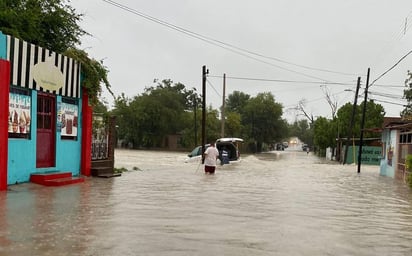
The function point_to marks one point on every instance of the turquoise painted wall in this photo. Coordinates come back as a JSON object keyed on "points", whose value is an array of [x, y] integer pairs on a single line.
{"points": [[3, 46], [370, 155], [22, 152], [68, 152]]}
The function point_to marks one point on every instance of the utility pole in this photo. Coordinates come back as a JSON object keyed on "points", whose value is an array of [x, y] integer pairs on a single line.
{"points": [[222, 133], [363, 121], [350, 135], [204, 74], [195, 112]]}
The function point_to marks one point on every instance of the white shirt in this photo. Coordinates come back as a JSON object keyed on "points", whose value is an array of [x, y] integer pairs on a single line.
{"points": [[211, 154]]}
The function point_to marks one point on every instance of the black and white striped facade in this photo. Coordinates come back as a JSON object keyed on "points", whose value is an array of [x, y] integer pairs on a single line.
{"points": [[23, 56]]}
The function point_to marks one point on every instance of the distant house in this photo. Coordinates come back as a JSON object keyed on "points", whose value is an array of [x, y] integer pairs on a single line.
{"points": [[396, 145], [45, 118]]}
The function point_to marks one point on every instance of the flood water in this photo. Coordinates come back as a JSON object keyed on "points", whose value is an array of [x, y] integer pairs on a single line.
{"points": [[286, 203]]}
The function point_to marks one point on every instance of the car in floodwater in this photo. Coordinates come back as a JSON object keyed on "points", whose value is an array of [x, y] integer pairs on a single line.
{"points": [[230, 145], [305, 147]]}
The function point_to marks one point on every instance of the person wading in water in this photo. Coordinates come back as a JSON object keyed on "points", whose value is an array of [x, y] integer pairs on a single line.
{"points": [[211, 155]]}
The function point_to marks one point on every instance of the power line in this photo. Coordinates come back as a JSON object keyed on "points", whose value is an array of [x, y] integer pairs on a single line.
{"points": [[387, 95], [211, 85], [281, 80], [389, 102], [388, 85], [404, 27], [302, 82], [221, 44], [387, 71]]}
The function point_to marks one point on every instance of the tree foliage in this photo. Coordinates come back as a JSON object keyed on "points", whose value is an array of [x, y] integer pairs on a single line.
{"points": [[162, 110], [407, 94], [94, 74], [233, 125], [326, 131], [53, 24], [260, 118], [302, 130], [237, 101], [374, 119]]}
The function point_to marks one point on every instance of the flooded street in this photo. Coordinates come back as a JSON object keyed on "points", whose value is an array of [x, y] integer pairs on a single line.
{"points": [[287, 203]]}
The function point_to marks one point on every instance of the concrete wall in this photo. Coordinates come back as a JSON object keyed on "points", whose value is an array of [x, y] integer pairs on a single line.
{"points": [[370, 155]]}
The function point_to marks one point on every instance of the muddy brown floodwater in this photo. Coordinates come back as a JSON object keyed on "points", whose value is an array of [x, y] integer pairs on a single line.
{"points": [[286, 203]]}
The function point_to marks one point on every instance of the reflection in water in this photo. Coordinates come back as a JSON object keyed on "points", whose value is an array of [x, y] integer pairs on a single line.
{"points": [[288, 203]]}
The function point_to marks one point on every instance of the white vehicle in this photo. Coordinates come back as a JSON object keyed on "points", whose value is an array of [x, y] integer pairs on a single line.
{"points": [[230, 145]]}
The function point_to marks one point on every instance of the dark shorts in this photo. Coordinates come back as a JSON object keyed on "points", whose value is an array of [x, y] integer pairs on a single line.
{"points": [[210, 169]]}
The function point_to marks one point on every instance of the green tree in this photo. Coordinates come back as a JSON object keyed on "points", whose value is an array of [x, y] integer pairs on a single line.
{"points": [[127, 120], [374, 119], [324, 134], [52, 24], [161, 110], [94, 74], [302, 130], [233, 125], [327, 131], [212, 124], [236, 102], [407, 94], [262, 119]]}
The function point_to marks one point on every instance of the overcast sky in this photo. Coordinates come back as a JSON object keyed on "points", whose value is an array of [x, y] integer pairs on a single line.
{"points": [[286, 41]]}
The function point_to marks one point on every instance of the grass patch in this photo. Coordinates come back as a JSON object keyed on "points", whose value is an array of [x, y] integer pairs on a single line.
{"points": [[120, 170]]}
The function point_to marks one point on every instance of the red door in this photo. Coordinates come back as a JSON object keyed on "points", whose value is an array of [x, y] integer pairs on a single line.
{"points": [[46, 131]]}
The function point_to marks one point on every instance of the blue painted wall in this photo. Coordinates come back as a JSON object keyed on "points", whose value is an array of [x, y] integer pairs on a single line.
{"points": [[3, 46], [22, 152], [68, 155]]}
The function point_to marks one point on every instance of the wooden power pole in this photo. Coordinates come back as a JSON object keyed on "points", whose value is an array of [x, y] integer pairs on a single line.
{"points": [[363, 121], [222, 133], [204, 73], [352, 120]]}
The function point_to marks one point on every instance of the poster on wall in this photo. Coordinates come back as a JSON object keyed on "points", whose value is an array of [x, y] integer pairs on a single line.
{"points": [[69, 118], [19, 113]]}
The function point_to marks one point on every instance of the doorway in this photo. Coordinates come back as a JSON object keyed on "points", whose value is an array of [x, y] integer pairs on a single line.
{"points": [[46, 131]]}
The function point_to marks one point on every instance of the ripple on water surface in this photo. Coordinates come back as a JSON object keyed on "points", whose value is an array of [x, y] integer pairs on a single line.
{"points": [[286, 203]]}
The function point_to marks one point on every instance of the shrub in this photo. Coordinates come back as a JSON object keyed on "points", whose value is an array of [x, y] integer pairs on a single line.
{"points": [[408, 167]]}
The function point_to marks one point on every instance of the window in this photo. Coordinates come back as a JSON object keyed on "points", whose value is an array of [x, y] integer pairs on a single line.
{"points": [[405, 146]]}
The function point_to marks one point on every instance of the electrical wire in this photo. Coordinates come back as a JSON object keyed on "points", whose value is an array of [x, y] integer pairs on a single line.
{"points": [[404, 27], [388, 85], [388, 102], [211, 85], [387, 71], [244, 52], [281, 80], [386, 95], [226, 46]]}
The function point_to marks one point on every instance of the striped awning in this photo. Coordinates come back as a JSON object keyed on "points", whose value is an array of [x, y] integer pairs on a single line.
{"points": [[23, 58]]}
